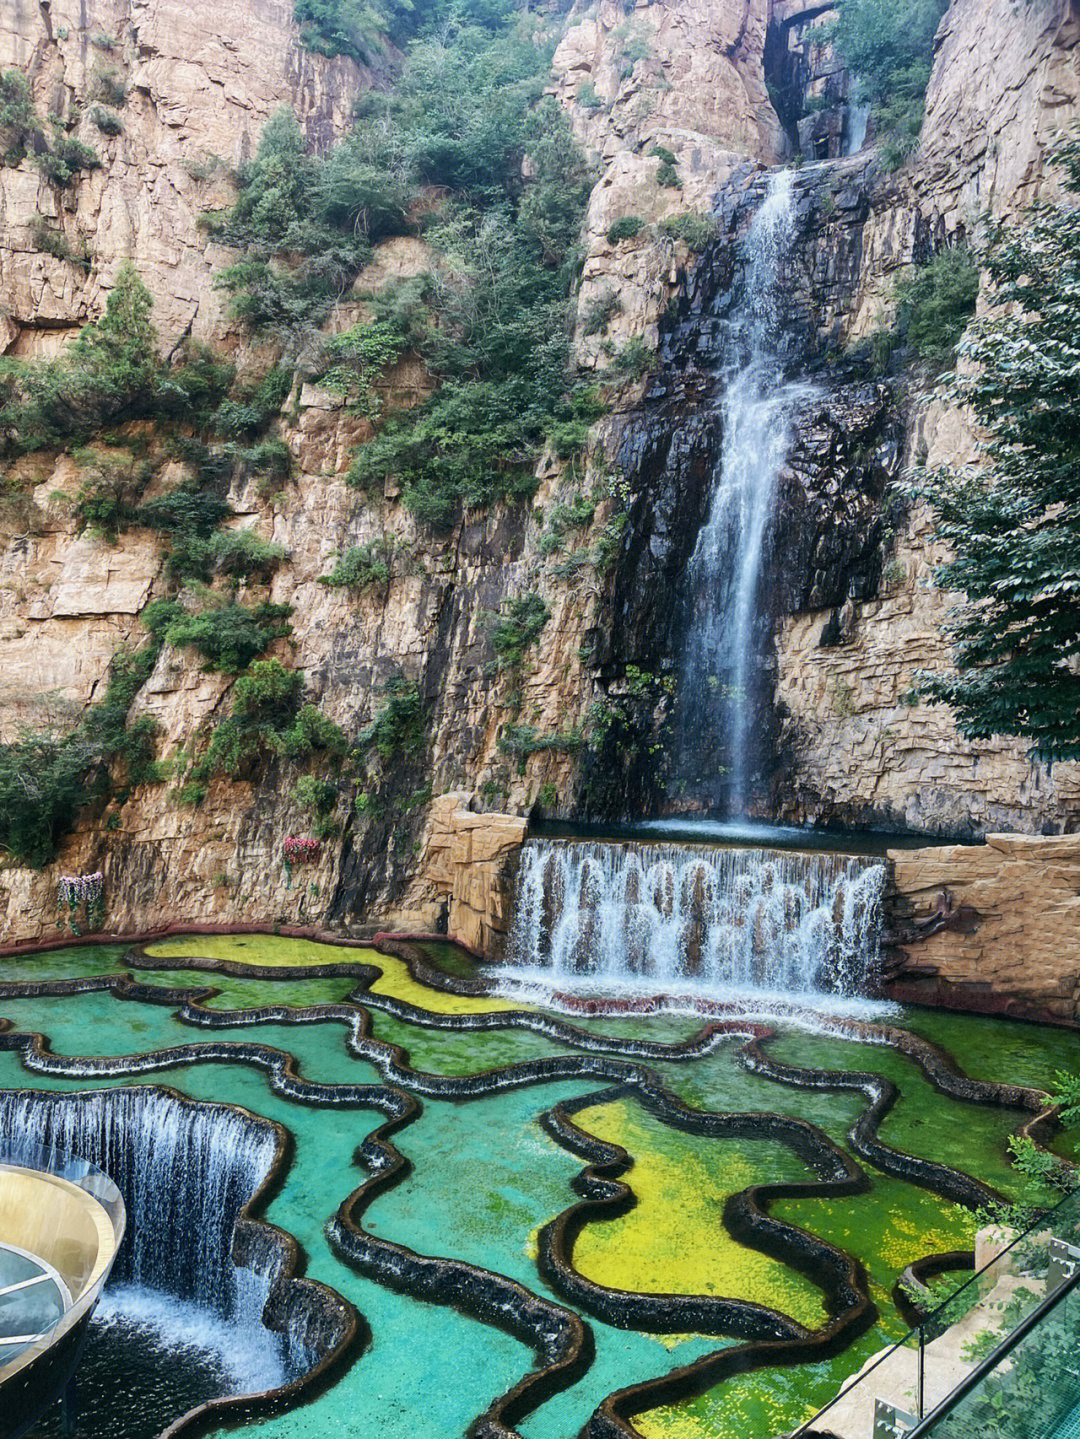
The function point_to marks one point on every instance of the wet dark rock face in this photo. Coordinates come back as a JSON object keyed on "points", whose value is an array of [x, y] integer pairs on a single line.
{"points": [[825, 544], [847, 449]]}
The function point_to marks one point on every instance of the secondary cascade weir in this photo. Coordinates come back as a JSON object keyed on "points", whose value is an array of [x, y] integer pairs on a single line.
{"points": [[728, 619], [723, 922], [185, 1171]]}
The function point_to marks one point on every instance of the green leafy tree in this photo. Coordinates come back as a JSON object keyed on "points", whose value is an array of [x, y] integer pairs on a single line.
{"points": [[934, 303], [1012, 522], [889, 46], [109, 373], [19, 124]]}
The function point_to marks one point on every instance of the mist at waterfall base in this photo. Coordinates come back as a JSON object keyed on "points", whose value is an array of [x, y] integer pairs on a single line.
{"points": [[724, 712], [760, 930], [179, 1323]]}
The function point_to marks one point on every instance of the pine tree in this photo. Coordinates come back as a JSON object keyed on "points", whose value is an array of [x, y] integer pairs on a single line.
{"points": [[1013, 520]]}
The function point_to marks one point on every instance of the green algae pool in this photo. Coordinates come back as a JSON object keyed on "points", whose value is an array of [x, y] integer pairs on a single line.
{"points": [[484, 1176]]}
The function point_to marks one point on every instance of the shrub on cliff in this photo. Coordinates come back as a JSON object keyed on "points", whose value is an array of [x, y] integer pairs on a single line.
{"points": [[517, 627], [19, 124], [399, 727], [228, 637], [64, 157], [267, 716], [697, 232], [244, 555], [626, 227], [934, 303], [1012, 521], [360, 567], [108, 373], [46, 778]]}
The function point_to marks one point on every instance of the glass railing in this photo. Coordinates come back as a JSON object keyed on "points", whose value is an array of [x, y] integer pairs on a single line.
{"points": [[63, 1220], [1028, 1389], [906, 1389]]}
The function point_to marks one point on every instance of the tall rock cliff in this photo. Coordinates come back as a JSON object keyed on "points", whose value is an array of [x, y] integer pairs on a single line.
{"points": [[1005, 86], [577, 725]]}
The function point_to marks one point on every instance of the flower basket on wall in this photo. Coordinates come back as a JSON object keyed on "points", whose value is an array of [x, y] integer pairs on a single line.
{"points": [[299, 849], [81, 895]]}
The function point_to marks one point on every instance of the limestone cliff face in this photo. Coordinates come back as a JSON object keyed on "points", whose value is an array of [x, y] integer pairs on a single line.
{"points": [[685, 76], [201, 80], [196, 83], [1006, 84]]}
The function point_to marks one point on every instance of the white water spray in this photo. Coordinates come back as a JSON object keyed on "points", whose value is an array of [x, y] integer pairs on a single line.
{"points": [[727, 923], [725, 642], [857, 125]]}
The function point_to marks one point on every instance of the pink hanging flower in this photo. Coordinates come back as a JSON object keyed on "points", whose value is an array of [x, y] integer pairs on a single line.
{"points": [[300, 850]]}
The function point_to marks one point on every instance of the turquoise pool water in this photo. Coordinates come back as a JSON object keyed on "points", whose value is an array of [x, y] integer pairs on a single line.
{"points": [[485, 1177]]}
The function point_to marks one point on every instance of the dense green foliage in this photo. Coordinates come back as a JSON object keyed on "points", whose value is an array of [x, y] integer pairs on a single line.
{"points": [[109, 373], [889, 46], [696, 231], [244, 555], [19, 124], [58, 155], [518, 627], [228, 636], [45, 779], [399, 727], [1066, 1096], [267, 716], [64, 156], [934, 303], [1013, 521], [626, 227], [357, 358], [466, 149], [358, 28], [522, 740], [361, 566]]}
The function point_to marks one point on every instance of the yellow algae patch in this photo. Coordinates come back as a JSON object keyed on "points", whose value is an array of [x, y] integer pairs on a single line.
{"points": [[274, 951], [733, 1410], [888, 1227], [673, 1241]]}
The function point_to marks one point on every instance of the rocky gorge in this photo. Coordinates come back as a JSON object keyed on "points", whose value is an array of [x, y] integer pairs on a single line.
{"points": [[581, 726]]}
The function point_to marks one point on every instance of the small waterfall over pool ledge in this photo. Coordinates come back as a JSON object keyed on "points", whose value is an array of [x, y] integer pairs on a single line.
{"points": [[701, 921], [186, 1170]]}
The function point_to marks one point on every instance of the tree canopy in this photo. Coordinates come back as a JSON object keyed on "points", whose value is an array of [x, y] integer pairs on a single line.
{"points": [[888, 45], [1012, 521]]}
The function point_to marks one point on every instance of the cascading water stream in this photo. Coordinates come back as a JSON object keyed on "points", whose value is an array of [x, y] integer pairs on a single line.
{"points": [[185, 1172], [727, 923], [858, 122], [728, 625]]}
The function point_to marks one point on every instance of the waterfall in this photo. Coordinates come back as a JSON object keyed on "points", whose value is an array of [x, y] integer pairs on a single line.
{"points": [[729, 626], [185, 1171], [725, 922], [858, 121]]}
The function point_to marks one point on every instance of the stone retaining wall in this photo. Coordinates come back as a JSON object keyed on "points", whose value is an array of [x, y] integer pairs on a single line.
{"points": [[994, 926], [470, 859]]}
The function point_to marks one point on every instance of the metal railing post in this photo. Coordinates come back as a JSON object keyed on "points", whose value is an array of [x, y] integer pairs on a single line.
{"points": [[920, 1411]]}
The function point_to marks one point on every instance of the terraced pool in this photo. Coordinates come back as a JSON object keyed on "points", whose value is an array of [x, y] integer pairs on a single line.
{"points": [[542, 1222]]}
